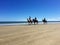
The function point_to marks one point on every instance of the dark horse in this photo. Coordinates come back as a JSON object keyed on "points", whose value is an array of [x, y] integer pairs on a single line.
{"points": [[35, 21], [44, 21], [29, 21]]}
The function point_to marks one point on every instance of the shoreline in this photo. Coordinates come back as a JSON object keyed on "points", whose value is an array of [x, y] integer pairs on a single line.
{"points": [[27, 24], [14, 24]]}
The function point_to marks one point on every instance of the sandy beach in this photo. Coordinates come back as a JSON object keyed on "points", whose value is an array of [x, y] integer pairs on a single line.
{"points": [[48, 34]]}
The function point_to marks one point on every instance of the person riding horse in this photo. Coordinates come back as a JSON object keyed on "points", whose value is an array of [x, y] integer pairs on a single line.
{"points": [[35, 20], [29, 20], [44, 21]]}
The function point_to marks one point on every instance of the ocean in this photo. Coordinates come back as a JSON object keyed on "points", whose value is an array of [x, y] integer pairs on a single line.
{"points": [[9, 23]]}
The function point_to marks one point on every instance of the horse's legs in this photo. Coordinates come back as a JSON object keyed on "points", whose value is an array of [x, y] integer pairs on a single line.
{"points": [[37, 22], [34, 22], [31, 22], [45, 22]]}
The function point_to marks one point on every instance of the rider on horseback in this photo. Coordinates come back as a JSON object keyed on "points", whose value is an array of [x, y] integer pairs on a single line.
{"points": [[29, 20], [44, 21]]}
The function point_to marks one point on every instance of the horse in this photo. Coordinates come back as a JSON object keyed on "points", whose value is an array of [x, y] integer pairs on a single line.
{"points": [[44, 21], [29, 21], [35, 21]]}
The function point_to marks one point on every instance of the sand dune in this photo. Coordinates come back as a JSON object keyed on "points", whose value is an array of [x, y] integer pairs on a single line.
{"points": [[30, 35]]}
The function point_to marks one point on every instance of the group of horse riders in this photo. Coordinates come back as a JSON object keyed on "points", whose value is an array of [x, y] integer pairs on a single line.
{"points": [[31, 21], [35, 21]]}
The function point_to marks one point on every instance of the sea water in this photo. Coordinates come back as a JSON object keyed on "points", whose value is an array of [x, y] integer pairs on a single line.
{"points": [[25, 23]]}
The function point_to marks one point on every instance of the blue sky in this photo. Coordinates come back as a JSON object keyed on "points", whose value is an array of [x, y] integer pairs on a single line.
{"points": [[20, 10]]}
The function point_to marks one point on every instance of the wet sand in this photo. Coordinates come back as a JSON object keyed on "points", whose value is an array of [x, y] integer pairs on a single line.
{"points": [[48, 34]]}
